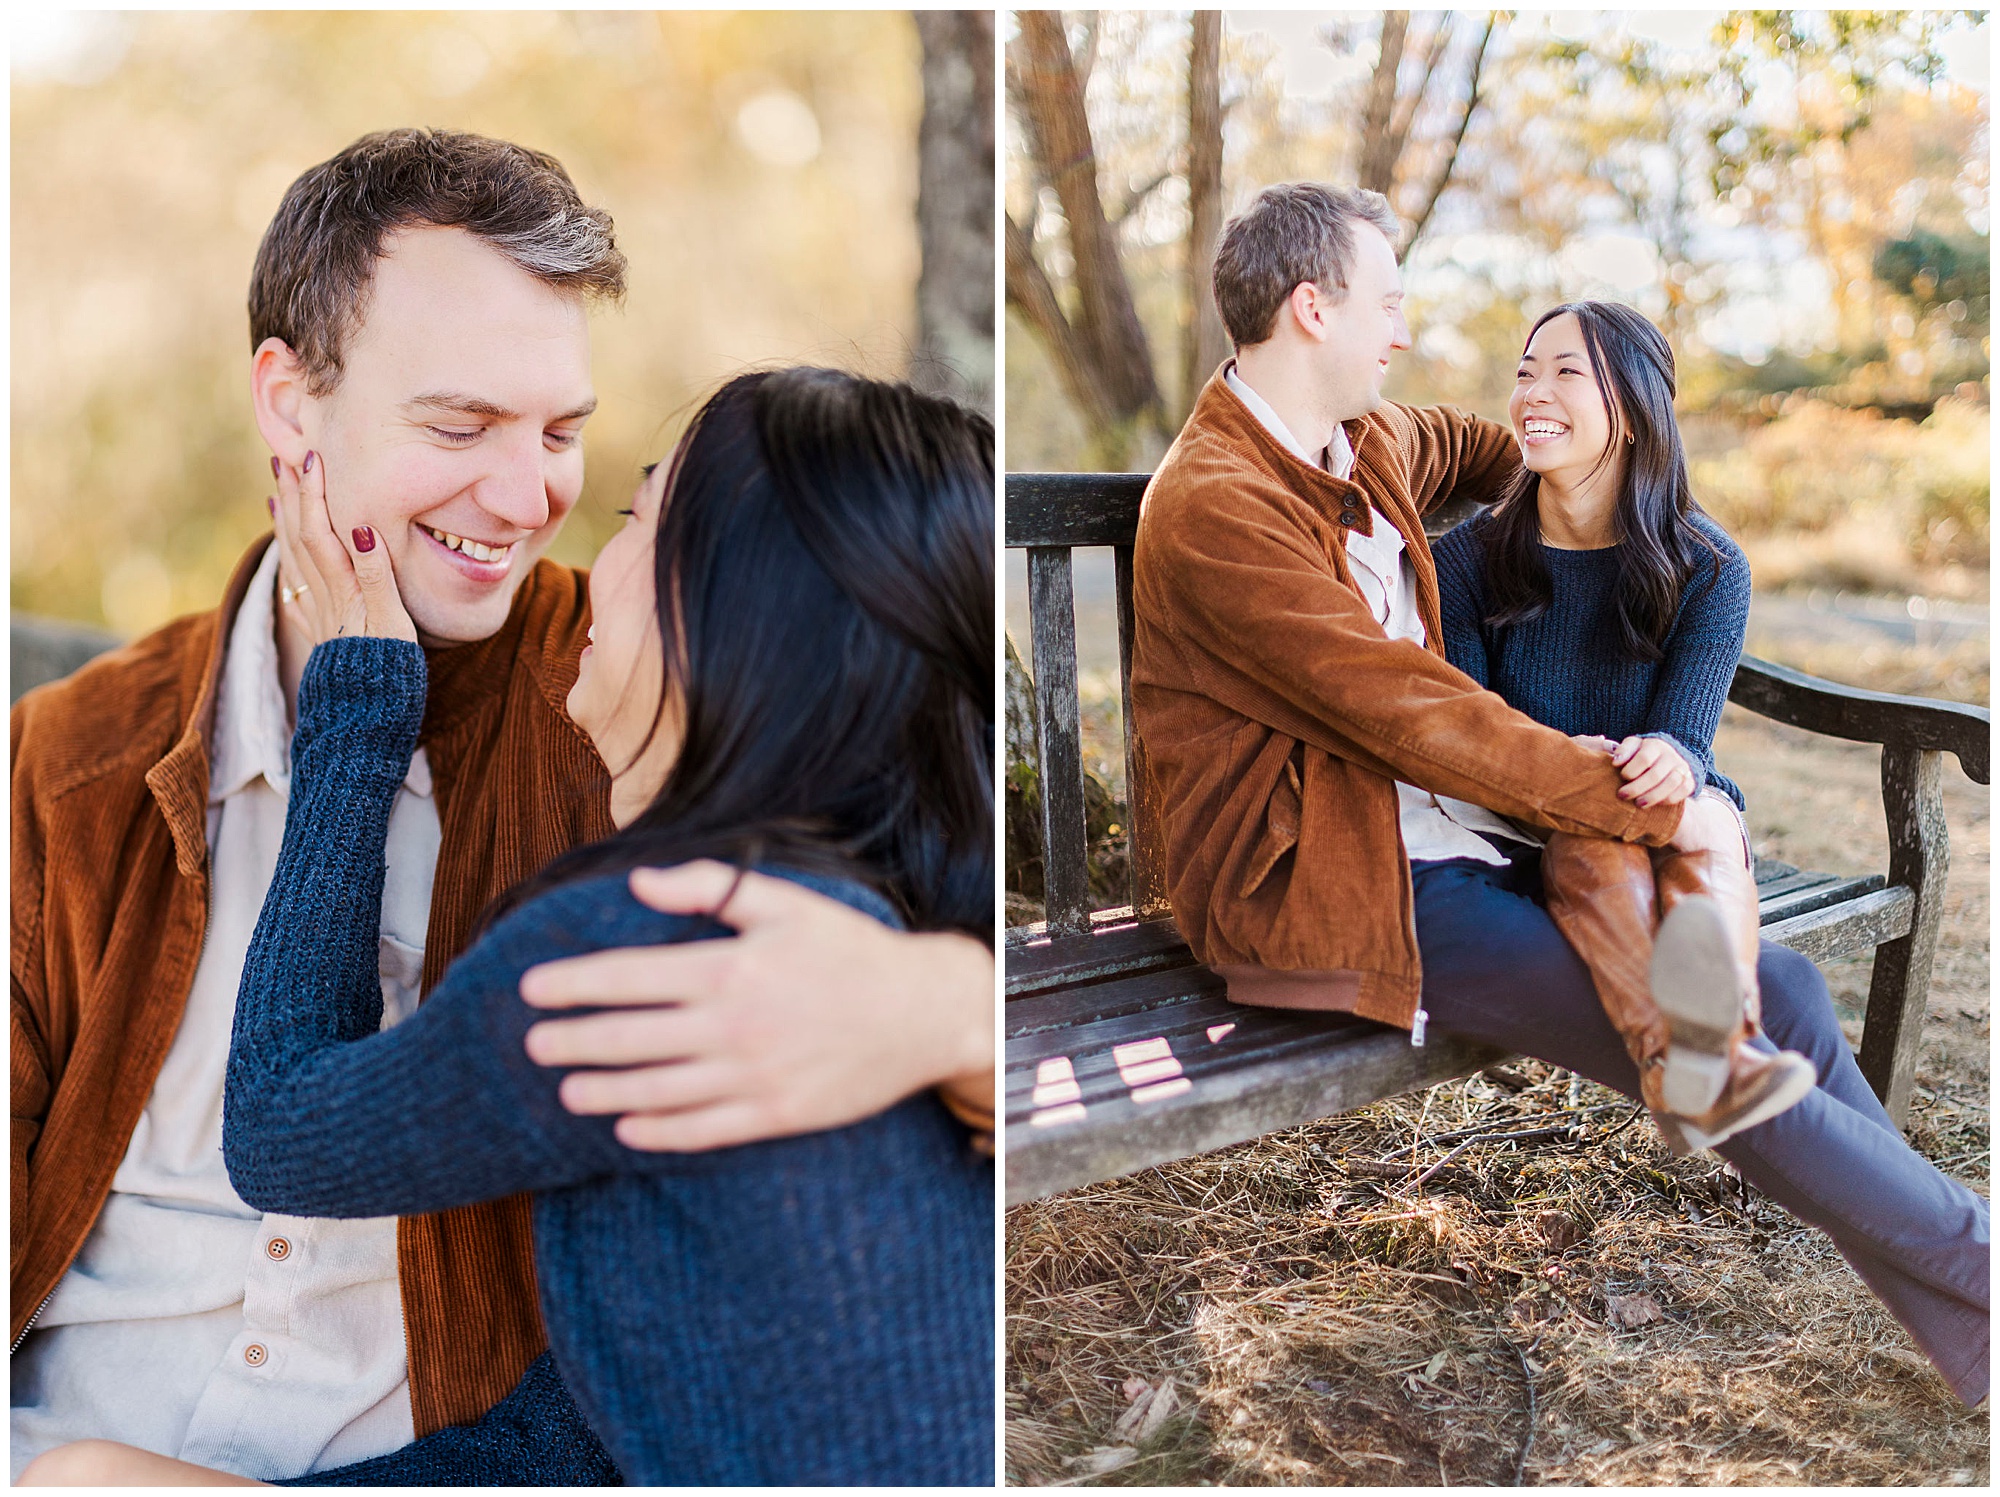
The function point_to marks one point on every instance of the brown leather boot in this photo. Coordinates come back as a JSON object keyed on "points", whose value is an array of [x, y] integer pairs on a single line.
{"points": [[1713, 1082], [1601, 895]]}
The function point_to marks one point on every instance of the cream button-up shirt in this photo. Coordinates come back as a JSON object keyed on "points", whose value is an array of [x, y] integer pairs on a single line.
{"points": [[191, 1325], [1434, 827]]}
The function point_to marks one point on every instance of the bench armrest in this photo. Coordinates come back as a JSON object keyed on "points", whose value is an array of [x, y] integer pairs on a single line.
{"points": [[1792, 697]]}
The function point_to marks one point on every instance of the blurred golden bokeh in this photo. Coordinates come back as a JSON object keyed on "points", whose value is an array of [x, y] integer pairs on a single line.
{"points": [[761, 168]]}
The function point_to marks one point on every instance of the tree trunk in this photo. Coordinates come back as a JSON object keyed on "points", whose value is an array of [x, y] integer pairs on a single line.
{"points": [[1376, 169], [1106, 322], [1207, 341], [955, 207]]}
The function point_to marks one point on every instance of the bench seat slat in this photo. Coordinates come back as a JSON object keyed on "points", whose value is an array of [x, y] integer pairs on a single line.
{"points": [[1068, 1007], [1244, 1037], [1124, 950], [1277, 1067], [1362, 1063]]}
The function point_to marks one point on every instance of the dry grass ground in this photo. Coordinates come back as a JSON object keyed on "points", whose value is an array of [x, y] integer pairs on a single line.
{"points": [[1578, 1309]]}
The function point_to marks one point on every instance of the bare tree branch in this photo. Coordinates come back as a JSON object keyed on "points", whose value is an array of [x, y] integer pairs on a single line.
{"points": [[1407, 108], [1137, 198], [1441, 174], [1106, 321], [1030, 292]]}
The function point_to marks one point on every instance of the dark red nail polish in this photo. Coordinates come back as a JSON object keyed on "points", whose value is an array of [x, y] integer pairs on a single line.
{"points": [[271, 503], [311, 457], [274, 466], [364, 539]]}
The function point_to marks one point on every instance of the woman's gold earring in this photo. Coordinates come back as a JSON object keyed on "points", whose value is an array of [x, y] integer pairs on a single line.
{"points": [[1630, 438]]}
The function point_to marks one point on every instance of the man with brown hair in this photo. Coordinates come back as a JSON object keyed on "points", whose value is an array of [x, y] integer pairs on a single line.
{"points": [[418, 327], [1327, 783]]}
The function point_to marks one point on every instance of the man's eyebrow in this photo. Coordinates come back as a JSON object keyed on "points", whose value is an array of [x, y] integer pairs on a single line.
{"points": [[473, 405]]}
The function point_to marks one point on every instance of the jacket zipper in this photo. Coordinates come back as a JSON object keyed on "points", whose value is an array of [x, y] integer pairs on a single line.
{"points": [[31, 1321]]}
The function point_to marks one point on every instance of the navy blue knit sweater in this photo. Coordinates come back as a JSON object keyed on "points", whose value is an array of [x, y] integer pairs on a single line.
{"points": [[1565, 668], [807, 1310]]}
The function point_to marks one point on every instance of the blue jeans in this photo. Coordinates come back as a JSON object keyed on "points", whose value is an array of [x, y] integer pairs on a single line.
{"points": [[1497, 969]]}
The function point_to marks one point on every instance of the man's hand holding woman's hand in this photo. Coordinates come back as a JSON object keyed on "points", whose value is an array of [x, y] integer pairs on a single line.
{"points": [[813, 1016], [329, 584]]}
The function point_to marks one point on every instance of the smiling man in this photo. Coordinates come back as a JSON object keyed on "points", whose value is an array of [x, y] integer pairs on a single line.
{"points": [[418, 326]]}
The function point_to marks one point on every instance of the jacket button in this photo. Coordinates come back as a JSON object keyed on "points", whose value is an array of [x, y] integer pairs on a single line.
{"points": [[1350, 517], [255, 1354], [279, 1249]]}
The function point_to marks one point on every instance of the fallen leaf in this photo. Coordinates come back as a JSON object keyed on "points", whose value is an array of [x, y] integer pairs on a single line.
{"points": [[1629, 1310], [1105, 1458], [1158, 1409], [1148, 1411], [1433, 1367], [1559, 1230]]}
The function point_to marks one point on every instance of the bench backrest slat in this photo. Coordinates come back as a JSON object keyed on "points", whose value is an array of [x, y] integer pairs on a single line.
{"points": [[1058, 742], [1146, 859]]}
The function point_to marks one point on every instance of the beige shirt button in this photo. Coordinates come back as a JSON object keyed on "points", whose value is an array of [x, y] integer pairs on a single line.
{"points": [[255, 1354], [279, 1249]]}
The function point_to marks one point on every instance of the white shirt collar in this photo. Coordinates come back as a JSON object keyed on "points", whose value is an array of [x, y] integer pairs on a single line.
{"points": [[253, 729], [1338, 459]]}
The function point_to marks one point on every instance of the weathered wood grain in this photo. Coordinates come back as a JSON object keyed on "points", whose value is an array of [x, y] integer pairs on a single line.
{"points": [[1146, 859], [1059, 747], [1919, 858], [1788, 696]]}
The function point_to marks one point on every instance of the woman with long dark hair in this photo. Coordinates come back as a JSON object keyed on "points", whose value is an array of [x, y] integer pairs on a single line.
{"points": [[791, 670], [1598, 598]]}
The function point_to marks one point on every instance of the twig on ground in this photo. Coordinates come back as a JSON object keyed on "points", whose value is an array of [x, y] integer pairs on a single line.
{"points": [[1543, 1122], [1528, 1381]]}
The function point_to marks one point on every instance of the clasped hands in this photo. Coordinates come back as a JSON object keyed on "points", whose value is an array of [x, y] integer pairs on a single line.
{"points": [[1656, 774]]}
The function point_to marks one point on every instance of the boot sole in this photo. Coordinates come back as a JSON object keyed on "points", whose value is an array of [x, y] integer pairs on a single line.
{"points": [[1694, 983], [1800, 1077]]}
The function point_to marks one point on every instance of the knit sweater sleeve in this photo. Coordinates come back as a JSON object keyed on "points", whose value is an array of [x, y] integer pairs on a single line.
{"points": [[324, 1114], [1462, 600], [1702, 652]]}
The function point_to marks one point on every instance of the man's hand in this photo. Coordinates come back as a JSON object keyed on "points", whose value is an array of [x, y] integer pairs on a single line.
{"points": [[1655, 773], [814, 1016], [1709, 824]]}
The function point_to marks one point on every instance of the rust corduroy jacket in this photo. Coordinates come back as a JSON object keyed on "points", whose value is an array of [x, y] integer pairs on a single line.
{"points": [[110, 902], [1274, 715]]}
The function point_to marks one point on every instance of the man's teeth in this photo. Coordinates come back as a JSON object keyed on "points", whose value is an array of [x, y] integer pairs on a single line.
{"points": [[474, 549]]}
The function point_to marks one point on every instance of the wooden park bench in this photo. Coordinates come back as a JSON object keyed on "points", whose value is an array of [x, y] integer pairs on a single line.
{"points": [[1123, 1052]]}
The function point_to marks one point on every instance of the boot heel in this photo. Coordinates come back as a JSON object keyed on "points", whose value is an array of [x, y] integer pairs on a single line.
{"points": [[1694, 982], [1691, 1082]]}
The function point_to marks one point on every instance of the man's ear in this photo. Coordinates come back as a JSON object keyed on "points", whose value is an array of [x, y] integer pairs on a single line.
{"points": [[1307, 308], [279, 399]]}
